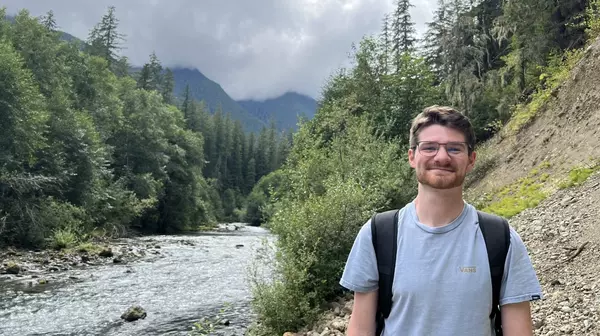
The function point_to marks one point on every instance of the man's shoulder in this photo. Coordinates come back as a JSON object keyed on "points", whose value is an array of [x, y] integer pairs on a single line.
{"points": [[389, 211]]}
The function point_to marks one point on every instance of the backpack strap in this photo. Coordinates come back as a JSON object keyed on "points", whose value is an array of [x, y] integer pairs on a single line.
{"points": [[384, 233], [496, 234]]}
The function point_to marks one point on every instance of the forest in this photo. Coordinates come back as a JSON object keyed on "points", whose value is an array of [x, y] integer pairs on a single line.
{"points": [[90, 148], [497, 61]]}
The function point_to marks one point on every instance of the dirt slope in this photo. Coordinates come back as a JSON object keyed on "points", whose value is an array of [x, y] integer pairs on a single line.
{"points": [[564, 133]]}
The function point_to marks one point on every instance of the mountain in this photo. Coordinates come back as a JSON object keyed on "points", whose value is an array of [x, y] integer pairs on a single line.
{"points": [[254, 115], [285, 110], [213, 95]]}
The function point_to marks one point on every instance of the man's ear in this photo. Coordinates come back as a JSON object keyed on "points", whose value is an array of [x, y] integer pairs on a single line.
{"points": [[472, 158], [411, 158]]}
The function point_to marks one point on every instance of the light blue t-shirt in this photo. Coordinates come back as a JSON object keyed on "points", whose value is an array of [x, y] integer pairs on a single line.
{"points": [[442, 284]]}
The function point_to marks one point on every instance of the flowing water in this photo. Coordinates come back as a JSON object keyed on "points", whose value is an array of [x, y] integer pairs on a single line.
{"points": [[184, 284]]}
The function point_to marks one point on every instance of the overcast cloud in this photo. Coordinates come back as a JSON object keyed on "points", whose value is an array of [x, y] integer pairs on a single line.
{"points": [[254, 49]]}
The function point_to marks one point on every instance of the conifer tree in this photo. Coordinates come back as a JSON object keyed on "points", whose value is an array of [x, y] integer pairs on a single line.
{"points": [[403, 31], [104, 39], [49, 22], [167, 86], [385, 42]]}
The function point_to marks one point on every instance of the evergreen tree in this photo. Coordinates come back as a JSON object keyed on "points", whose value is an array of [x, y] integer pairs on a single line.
{"points": [[403, 31], [122, 66], [49, 22], [187, 101], [104, 39], [167, 86], [385, 42]]}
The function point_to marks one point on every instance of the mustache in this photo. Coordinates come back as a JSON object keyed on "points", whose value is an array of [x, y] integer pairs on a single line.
{"points": [[449, 168]]}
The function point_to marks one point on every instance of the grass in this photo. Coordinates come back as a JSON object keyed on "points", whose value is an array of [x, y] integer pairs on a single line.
{"points": [[555, 73], [525, 193], [529, 191], [63, 238], [578, 175]]}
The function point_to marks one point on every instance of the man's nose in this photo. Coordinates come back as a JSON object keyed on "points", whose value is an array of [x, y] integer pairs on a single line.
{"points": [[442, 155]]}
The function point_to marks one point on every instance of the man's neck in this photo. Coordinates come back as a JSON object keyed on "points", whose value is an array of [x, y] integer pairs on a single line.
{"points": [[438, 207]]}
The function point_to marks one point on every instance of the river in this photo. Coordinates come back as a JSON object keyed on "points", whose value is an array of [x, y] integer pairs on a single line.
{"points": [[194, 276]]}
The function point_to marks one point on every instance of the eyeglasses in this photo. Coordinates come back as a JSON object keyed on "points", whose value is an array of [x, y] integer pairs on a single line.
{"points": [[430, 148]]}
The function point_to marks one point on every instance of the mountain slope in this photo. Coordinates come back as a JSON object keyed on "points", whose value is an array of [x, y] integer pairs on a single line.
{"points": [[546, 178], [286, 110], [213, 95], [560, 138]]}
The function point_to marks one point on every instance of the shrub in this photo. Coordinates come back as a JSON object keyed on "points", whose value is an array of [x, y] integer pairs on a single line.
{"points": [[333, 190]]}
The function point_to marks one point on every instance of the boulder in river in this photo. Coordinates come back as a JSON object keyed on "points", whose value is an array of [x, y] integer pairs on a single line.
{"points": [[134, 313], [106, 253], [12, 268]]}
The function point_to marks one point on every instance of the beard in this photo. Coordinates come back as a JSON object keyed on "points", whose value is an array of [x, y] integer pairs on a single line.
{"points": [[448, 178]]}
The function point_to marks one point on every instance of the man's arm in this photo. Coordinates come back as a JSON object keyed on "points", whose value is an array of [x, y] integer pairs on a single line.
{"points": [[516, 319], [362, 320]]}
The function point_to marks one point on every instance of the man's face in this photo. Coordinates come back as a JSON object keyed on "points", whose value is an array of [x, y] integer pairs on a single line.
{"points": [[448, 167]]}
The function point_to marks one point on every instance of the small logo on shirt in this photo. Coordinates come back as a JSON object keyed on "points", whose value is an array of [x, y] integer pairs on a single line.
{"points": [[468, 269]]}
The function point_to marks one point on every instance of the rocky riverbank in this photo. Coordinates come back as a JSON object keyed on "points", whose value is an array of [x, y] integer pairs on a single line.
{"points": [[333, 322], [159, 285], [43, 266], [40, 267]]}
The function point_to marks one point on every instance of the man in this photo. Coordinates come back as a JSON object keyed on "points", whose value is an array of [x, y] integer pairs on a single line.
{"points": [[442, 282]]}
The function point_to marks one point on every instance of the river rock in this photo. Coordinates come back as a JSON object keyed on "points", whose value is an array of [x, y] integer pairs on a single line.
{"points": [[13, 268], [134, 313], [106, 253]]}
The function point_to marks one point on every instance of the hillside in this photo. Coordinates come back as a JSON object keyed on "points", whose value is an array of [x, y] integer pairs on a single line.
{"points": [[213, 95], [562, 232], [286, 110], [560, 139]]}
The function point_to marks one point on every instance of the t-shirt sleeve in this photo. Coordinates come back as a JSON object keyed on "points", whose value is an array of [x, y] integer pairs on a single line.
{"points": [[360, 273], [520, 282]]}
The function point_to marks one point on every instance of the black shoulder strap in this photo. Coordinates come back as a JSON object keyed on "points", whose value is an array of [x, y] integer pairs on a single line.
{"points": [[384, 233], [496, 234]]}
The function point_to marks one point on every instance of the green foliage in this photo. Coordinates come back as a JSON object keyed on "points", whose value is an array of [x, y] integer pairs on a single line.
{"points": [[551, 77], [259, 207], [207, 325], [330, 192], [63, 238], [578, 175], [593, 19], [525, 193], [87, 150]]}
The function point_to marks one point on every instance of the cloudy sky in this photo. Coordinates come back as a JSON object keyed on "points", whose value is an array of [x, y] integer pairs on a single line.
{"points": [[254, 49]]}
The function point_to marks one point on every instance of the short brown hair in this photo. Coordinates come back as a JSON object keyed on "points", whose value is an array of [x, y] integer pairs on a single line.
{"points": [[444, 116]]}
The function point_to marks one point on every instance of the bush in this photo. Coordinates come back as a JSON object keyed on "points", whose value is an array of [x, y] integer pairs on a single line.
{"points": [[259, 207], [333, 190]]}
